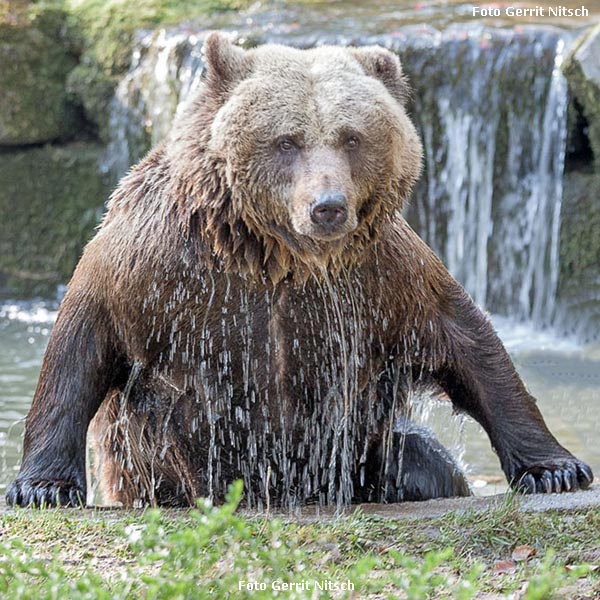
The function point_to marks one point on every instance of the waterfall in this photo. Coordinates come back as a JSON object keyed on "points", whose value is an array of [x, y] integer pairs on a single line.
{"points": [[147, 98], [490, 105], [491, 108]]}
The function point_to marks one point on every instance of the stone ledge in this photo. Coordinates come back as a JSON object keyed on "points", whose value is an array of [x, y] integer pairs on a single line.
{"points": [[430, 509]]}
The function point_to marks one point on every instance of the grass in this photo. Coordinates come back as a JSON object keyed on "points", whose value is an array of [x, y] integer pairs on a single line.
{"points": [[212, 551]]}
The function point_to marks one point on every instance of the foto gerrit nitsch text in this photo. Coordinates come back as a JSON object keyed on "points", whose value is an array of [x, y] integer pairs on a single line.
{"points": [[531, 11]]}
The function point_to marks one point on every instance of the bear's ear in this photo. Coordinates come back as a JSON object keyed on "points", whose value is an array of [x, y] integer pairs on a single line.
{"points": [[226, 64], [385, 66]]}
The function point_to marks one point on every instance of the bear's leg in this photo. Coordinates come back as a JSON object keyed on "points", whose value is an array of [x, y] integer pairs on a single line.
{"points": [[113, 463], [143, 450], [79, 367], [419, 467], [480, 378], [410, 462]]}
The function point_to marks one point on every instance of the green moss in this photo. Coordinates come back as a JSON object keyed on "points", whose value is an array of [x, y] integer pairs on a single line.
{"points": [[59, 55], [579, 284], [37, 52], [110, 25], [94, 89], [51, 198]]}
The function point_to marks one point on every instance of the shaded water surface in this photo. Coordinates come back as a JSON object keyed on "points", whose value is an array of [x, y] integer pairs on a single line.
{"points": [[563, 376], [24, 331]]}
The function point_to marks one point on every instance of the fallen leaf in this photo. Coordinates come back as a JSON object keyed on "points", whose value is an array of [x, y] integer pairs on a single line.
{"points": [[523, 553], [504, 566]]}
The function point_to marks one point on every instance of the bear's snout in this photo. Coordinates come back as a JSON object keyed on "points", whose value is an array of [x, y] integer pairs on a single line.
{"points": [[330, 210]]}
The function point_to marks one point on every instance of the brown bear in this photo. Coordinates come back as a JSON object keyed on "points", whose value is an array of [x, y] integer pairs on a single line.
{"points": [[254, 306]]}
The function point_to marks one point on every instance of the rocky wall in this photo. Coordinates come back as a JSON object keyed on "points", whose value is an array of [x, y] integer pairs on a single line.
{"points": [[51, 199]]}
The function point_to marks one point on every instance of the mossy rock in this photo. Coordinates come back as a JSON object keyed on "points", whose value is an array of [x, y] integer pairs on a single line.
{"points": [[36, 54], [582, 70], [51, 199], [579, 281], [95, 90]]}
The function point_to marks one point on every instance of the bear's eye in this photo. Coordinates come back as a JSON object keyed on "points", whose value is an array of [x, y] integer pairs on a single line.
{"points": [[286, 145], [352, 142]]}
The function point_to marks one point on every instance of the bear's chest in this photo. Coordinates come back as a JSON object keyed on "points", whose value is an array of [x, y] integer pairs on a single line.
{"points": [[301, 343], [285, 376]]}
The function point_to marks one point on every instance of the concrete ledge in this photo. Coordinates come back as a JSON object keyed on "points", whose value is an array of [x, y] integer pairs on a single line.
{"points": [[431, 509]]}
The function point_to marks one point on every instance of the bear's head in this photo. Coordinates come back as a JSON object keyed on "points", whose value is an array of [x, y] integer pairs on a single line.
{"points": [[313, 149]]}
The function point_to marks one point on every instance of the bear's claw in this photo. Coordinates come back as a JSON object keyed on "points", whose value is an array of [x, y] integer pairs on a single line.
{"points": [[572, 476], [40, 493]]}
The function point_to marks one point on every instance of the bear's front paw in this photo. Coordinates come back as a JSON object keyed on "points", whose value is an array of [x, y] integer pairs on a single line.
{"points": [[39, 493], [570, 476]]}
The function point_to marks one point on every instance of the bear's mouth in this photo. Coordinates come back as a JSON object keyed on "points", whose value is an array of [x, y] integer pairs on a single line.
{"points": [[324, 233]]}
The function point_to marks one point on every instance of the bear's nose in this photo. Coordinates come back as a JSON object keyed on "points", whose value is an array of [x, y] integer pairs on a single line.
{"points": [[330, 209]]}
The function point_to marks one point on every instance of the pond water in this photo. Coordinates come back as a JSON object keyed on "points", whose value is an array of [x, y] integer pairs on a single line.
{"points": [[564, 376]]}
